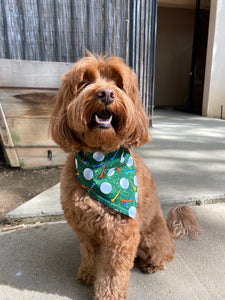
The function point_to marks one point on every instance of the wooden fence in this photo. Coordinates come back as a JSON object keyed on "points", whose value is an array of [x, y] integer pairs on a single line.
{"points": [[56, 30], [52, 34]]}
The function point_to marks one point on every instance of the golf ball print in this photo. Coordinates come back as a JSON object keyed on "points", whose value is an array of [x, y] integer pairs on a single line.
{"points": [[110, 178], [106, 188]]}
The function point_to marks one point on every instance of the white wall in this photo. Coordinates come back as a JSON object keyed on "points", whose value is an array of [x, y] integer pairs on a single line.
{"points": [[214, 88]]}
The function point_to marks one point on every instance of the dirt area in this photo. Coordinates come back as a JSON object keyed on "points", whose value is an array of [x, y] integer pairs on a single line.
{"points": [[18, 186]]}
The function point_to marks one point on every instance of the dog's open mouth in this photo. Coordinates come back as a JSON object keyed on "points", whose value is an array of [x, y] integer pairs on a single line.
{"points": [[103, 119]]}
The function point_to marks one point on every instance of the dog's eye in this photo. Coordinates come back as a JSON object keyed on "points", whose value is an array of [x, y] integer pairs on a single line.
{"points": [[119, 85], [119, 82], [83, 85]]}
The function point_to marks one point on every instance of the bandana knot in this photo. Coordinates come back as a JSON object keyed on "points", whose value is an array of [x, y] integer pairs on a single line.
{"points": [[110, 178]]}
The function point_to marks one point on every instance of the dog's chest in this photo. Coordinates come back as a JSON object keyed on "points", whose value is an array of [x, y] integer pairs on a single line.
{"points": [[94, 217], [90, 217]]}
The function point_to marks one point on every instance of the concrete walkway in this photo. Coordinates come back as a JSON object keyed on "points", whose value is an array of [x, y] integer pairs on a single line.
{"points": [[41, 262], [186, 157]]}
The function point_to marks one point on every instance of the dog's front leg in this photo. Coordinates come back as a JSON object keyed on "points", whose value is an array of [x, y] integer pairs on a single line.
{"points": [[113, 268], [87, 271]]}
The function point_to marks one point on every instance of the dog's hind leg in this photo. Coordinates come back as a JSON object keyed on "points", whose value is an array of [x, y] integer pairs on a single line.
{"points": [[156, 246]]}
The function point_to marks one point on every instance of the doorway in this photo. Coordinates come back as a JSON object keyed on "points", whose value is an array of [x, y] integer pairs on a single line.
{"points": [[182, 34]]}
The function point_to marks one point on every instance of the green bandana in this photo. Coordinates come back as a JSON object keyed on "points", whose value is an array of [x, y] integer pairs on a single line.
{"points": [[109, 178]]}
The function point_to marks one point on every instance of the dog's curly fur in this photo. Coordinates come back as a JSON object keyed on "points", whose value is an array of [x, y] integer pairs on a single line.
{"points": [[110, 241]]}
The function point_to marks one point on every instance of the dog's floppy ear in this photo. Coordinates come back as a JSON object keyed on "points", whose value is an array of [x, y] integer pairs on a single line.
{"points": [[126, 79], [60, 132], [140, 135], [82, 72]]}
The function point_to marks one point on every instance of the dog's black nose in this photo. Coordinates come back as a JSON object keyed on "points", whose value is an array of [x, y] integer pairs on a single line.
{"points": [[107, 96]]}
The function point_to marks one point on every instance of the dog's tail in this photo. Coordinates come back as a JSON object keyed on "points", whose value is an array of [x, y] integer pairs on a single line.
{"points": [[182, 221]]}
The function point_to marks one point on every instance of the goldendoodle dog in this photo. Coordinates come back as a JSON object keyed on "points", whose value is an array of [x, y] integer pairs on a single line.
{"points": [[107, 193]]}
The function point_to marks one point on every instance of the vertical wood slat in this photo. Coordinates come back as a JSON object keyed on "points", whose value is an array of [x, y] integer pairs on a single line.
{"points": [[80, 28], [141, 50], [149, 58], [14, 35], [115, 27], [47, 19], [140, 45], [96, 26], [137, 38], [7, 140], [31, 30], [4, 45]]}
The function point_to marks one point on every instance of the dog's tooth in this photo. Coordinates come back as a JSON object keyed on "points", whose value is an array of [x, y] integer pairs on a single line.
{"points": [[97, 119]]}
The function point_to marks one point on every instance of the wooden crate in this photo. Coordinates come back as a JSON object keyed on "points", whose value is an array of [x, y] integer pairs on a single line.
{"points": [[27, 95]]}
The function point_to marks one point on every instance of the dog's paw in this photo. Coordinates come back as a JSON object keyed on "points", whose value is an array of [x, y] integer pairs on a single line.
{"points": [[148, 268], [85, 278], [109, 296]]}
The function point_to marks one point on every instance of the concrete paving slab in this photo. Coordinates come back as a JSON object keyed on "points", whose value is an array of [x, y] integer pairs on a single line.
{"points": [[44, 204], [186, 157], [41, 261], [208, 254]]}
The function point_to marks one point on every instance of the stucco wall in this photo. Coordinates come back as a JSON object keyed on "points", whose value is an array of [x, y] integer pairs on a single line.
{"points": [[214, 89]]}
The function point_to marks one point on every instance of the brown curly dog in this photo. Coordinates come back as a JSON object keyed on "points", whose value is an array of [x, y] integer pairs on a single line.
{"points": [[98, 115]]}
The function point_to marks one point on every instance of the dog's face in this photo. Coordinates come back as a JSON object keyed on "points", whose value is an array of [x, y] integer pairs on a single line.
{"points": [[98, 108]]}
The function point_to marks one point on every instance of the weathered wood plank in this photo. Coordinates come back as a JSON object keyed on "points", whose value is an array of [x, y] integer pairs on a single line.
{"points": [[115, 27], [96, 28], [19, 103], [3, 39], [29, 10], [30, 131], [47, 21], [14, 23], [137, 49], [32, 74], [40, 157], [7, 140], [63, 9], [141, 45], [80, 29]]}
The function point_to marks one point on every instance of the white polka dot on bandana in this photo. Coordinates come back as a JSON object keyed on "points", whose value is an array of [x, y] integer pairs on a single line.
{"points": [[124, 183], [136, 197], [130, 161], [76, 163], [98, 156], [122, 158], [135, 180], [88, 174], [132, 211], [110, 172], [106, 188]]}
